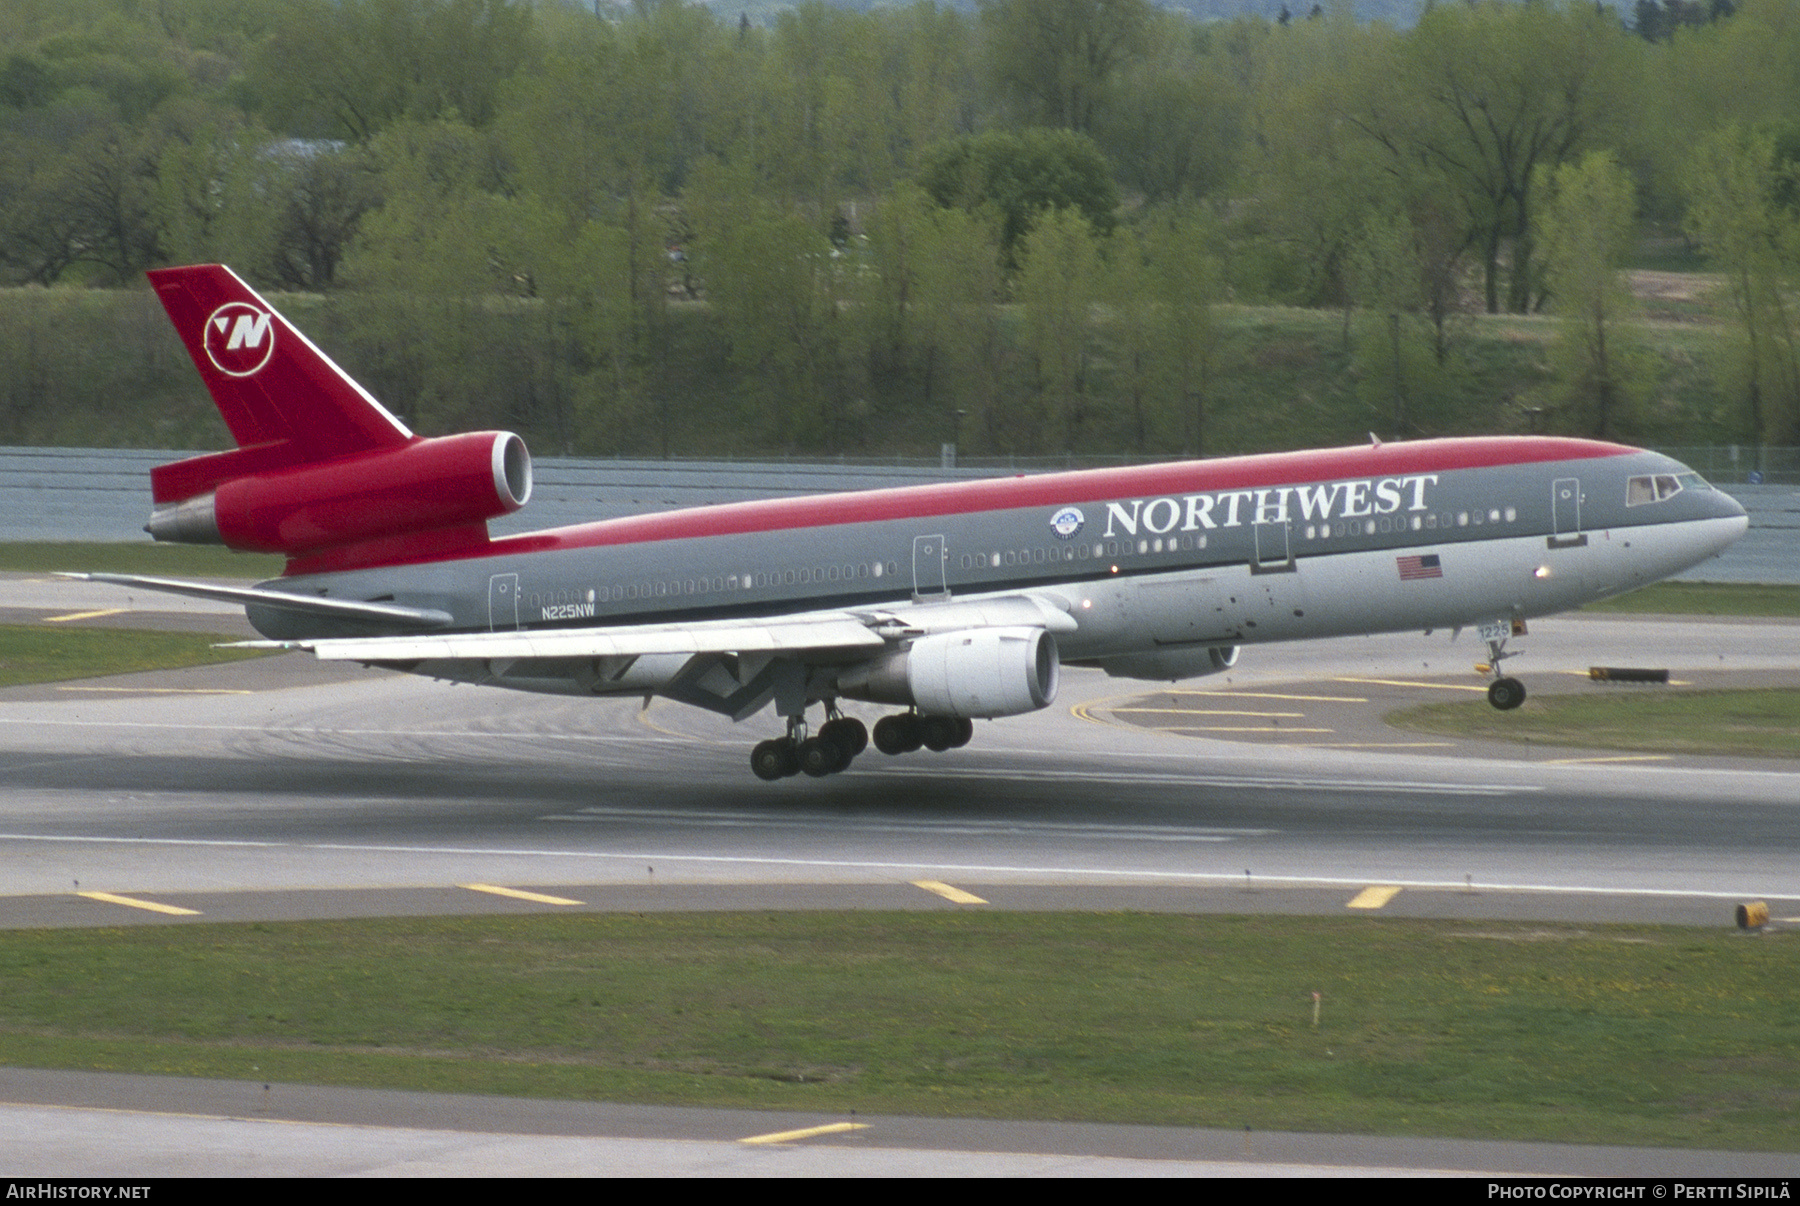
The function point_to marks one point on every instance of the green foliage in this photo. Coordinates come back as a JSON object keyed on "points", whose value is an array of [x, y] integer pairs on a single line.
{"points": [[1055, 60], [1587, 226], [1021, 176], [1735, 181], [350, 68]]}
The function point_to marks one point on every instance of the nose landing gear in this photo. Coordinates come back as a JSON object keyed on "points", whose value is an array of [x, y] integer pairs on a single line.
{"points": [[1505, 692]]}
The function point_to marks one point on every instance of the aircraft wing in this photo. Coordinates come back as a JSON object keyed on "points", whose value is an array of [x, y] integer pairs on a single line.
{"points": [[795, 633], [779, 634]]}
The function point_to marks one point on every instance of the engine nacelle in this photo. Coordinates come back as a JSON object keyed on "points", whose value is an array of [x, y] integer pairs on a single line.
{"points": [[977, 673], [1171, 665], [421, 486]]}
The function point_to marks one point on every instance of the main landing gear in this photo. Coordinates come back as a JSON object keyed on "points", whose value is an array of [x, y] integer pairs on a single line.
{"points": [[841, 738], [1505, 692]]}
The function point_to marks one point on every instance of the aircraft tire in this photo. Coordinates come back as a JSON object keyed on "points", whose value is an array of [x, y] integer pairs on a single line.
{"points": [[1506, 693], [820, 756], [773, 759], [939, 733], [897, 734], [849, 733], [965, 731]]}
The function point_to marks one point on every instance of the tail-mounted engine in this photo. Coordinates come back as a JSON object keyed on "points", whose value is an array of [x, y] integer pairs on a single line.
{"points": [[976, 673], [420, 486]]}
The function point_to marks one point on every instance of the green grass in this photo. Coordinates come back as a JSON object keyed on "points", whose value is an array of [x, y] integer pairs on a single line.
{"points": [[167, 560], [46, 653], [1706, 599], [1763, 724], [1650, 1035]]}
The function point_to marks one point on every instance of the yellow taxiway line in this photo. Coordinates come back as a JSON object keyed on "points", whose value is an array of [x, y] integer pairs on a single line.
{"points": [[87, 615], [1373, 898], [517, 894], [810, 1132], [132, 902], [1396, 682], [953, 895]]}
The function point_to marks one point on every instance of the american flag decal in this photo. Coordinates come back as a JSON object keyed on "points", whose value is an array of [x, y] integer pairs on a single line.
{"points": [[1414, 568]]}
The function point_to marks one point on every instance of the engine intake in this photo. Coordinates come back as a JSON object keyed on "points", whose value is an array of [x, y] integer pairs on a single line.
{"points": [[976, 673], [422, 486]]}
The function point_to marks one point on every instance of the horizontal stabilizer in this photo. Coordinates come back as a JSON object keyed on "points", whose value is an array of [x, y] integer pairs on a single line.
{"points": [[316, 605]]}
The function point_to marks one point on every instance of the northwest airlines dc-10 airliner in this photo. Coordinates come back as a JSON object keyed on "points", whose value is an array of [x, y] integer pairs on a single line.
{"points": [[952, 602]]}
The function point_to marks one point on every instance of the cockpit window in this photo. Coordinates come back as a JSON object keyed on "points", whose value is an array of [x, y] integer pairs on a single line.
{"points": [[1650, 488], [1656, 486]]}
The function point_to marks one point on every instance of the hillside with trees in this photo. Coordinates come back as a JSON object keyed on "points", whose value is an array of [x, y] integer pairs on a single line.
{"points": [[1029, 227]]}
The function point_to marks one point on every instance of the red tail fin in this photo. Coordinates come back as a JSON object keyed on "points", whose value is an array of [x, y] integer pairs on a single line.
{"points": [[285, 401], [322, 472]]}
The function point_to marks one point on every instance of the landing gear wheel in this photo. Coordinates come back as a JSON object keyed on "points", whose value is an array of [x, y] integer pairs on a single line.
{"points": [[1506, 693], [939, 733], [820, 756], [965, 729], [849, 734], [898, 734], [774, 759]]}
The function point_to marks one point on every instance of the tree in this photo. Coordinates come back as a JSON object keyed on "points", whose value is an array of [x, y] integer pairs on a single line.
{"points": [[1487, 98], [1059, 282], [1734, 183], [350, 68], [1055, 59], [1589, 222], [1020, 176]]}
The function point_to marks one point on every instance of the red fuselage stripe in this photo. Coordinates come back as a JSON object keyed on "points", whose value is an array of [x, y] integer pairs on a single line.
{"points": [[1083, 487]]}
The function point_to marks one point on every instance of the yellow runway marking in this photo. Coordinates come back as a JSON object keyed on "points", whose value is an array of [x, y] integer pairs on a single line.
{"points": [[516, 894], [834, 1128], [133, 903], [1238, 728], [1395, 682], [1200, 712], [1620, 758], [87, 615], [1225, 696], [1372, 898], [953, 895], [643, 718]]}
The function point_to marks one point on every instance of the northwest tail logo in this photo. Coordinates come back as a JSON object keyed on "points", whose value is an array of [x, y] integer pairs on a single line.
{"points": [[240, 338]]}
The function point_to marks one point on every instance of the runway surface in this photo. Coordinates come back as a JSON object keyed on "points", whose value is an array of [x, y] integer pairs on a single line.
{"points": [[278, 788]]}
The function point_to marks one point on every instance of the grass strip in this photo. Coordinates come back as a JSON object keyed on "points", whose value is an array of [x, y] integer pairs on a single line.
{"points": [[50, 653], [1759, 723], [167, 560], [1614, 1034], [1706, 599]]}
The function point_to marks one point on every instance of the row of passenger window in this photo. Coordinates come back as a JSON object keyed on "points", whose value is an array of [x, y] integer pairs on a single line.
{"points": [[1081, 552], [664, 588], [1433, 521]]}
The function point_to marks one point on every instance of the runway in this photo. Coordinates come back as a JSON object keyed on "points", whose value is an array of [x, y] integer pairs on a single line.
{"points": [[283, 776], [278, 788]]}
